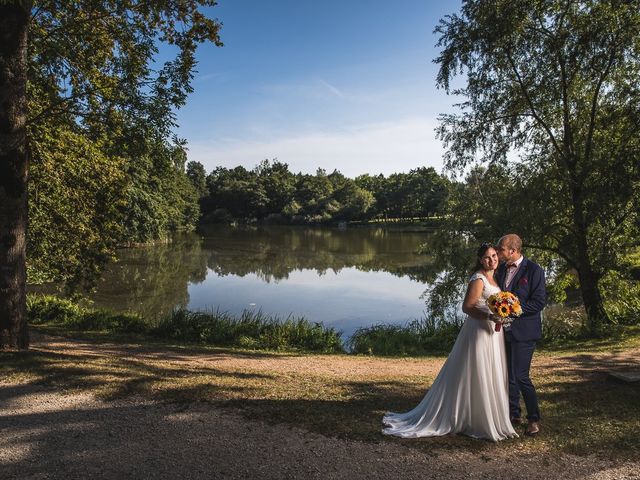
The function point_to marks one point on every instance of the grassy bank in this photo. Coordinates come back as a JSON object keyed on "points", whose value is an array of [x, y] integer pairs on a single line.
{"points": [[561, 327], [420, 337], [251, 330], [255, 330]]}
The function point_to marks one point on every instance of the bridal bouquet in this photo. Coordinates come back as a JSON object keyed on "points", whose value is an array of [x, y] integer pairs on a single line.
{"points": [[506, 306]]}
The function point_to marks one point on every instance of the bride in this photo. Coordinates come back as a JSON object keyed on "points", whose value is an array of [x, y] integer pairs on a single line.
{"points": [[469, 395]]}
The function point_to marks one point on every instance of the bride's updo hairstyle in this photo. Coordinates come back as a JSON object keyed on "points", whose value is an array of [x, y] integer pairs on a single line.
{"points": [[482, 249]]}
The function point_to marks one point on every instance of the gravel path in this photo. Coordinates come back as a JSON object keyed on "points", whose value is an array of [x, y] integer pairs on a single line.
{"points": [[46, 434]]}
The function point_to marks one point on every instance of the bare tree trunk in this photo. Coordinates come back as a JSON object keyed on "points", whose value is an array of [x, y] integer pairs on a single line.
{"points": [[14, 163]]}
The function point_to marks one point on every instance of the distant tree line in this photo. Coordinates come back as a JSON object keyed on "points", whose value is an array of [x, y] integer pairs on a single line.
{"points": [[271, 192]]}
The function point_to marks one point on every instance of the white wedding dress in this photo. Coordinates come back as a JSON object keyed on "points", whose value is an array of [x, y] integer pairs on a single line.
{"points": [[469, 395]]}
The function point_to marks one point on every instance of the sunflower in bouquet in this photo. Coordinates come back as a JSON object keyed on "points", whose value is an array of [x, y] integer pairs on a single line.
{"points": [[506, 306]]}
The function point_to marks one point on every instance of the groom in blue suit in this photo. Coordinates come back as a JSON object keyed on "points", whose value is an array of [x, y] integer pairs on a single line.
{"points": [[525, 279]]}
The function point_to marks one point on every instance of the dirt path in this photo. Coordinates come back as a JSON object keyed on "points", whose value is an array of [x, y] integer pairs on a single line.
{"points": [[48, 434]]}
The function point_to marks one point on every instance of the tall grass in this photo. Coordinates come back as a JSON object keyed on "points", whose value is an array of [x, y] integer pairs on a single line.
{"points": [[253, 330], [50, 310], [256, 330], [418, 337], [249, 330]]}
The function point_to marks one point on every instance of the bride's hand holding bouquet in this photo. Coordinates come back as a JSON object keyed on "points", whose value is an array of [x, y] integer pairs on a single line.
{"points": [[505, 306]]}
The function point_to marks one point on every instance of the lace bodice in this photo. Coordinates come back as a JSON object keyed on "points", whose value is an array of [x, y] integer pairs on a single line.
{"points": [[487, 291]]}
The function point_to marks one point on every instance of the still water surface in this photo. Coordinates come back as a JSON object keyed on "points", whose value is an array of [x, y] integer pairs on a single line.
{"points": [[343, 278]]}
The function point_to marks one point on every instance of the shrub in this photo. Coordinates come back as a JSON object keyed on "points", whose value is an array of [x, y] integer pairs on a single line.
{"points": [[44, 309], [419, 337]]}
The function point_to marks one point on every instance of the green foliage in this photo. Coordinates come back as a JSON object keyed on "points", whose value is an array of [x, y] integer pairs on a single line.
{"points": [[554, 83], [106, 168], [160, 198], [253, 330], [271, 192], [250, 330], [48, 310], [420, 337], [278, 185], [76, 201], [198, 177], [621, 298], [561, 324]]}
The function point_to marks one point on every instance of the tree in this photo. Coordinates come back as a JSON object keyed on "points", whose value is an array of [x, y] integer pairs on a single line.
{"points": [[555, 83], [89, 66], [426, 192], [14, 23], [198, 177], [278, 184], [375, 185], [394, 196], [355, 201], [236, 191], [76, 198], [313, 193]]}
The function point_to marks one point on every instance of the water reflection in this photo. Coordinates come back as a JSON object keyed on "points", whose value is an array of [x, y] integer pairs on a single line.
{"points": [[272, 253], [153, 280], [346, 278]]}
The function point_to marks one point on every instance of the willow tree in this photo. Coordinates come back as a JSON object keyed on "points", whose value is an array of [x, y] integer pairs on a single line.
{"points": [[552, 92], [87, 65]]}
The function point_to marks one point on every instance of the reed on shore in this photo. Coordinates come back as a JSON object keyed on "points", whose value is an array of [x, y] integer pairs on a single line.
{"points": [[251, 330], [255, 330]]}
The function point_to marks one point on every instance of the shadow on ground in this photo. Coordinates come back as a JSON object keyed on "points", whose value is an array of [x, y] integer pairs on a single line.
{"points": [[583, 411]]}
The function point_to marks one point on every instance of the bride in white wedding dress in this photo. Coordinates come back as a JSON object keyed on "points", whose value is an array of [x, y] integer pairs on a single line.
{"points": [[469, 395]]}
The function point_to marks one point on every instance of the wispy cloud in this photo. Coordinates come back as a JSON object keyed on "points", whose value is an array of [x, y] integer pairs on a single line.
{"points": [[312, 89], [369, 148], [334, 90], [207, 76]]}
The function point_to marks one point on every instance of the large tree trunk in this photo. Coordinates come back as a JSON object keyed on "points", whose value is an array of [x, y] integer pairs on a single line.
{"points": [[14, 162], [597, 316]]}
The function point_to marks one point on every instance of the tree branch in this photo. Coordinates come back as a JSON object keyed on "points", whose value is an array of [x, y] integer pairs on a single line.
{"points": [[534, 112], [73, 24], [558, 225], [557, 251], [594, 105], [566, 124], [619, 221]]}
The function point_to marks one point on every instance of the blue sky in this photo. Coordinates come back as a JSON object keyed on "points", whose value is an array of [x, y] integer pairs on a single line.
{"points": [[347, 85]]}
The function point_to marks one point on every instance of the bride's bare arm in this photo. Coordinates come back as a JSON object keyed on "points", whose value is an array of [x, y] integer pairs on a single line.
{"points": [[474, 291]]}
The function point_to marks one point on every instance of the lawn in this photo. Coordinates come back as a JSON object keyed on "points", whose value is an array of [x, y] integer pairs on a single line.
{"points": [[346, 395]]}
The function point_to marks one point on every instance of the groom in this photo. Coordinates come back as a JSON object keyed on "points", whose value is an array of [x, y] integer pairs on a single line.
{"points": [[525, 279]]}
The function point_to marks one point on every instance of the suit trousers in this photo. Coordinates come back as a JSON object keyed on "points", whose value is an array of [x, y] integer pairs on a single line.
{"points": [[519, 355]]}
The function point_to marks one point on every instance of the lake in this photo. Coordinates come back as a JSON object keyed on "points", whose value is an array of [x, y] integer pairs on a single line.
{"points": [[345, 278]]}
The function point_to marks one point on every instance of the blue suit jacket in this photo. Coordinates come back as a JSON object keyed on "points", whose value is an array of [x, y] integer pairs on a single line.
{"points": [[529, 286]]}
